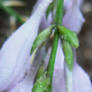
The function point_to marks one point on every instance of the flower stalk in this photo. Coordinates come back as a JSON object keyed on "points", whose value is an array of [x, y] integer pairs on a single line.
{"points": [[52, 58], [58, 21]]}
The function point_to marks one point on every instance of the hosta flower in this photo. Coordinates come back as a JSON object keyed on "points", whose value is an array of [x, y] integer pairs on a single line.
{"points": [[26, 84], [81, 80], [73, 19], [15, 52], [16, 72]]}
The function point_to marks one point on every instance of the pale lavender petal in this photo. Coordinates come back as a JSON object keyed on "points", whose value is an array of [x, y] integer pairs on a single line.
{"points": [[73, 19], [69, 3], [26, 84], [16, 49], [81, 80], [46, 22], [46, 60]]}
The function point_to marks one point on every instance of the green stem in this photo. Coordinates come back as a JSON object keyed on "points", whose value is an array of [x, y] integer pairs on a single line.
{"points": [[59, 12], [52, 58], [57, 20], [10, 11]]}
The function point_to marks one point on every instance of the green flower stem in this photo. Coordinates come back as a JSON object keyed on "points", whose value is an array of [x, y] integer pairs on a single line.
{"points": [[57, 20], [52, 58], [59, 12], [10, 11]]}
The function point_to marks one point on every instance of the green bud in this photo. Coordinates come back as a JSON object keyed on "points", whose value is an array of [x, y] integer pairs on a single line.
{"points": [[68, 54], [41, 84], [41, 38], [69, 36], [40, 72]]}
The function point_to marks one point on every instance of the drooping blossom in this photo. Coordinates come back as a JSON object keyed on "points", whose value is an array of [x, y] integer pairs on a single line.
{"points": [[73, 19], [19, 49], [26, 84], [15, 52], [81, 80]]}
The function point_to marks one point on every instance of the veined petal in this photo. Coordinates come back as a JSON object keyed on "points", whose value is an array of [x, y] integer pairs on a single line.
{"points": [[16, 49]]}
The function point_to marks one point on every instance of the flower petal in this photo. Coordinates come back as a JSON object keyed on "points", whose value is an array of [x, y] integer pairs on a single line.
{"points": [[81, 80], [16, 49], [69, 3], [73, 19], [26, 84]]}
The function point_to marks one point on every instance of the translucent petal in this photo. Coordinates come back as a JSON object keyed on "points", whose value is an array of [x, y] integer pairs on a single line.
{"points": [[16, 49], [81, 80], [73, 18]]}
